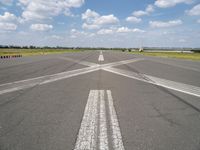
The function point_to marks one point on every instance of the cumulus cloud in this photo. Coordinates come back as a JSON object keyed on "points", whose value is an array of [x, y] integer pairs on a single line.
{"points": [[195, 11], [89, 14], [42, 9], [149, 9], [104, 20], [162, 24], [170, 3], [90, 26], [41, 27], [119, 30], [8, 21], [7, 17], [126, 30], [140, 13], [74, 33], [94, 21], [133, 19], [8, 26]]}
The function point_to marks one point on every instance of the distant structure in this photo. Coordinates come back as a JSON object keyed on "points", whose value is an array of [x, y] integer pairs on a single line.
{"points": [[141, 49]]}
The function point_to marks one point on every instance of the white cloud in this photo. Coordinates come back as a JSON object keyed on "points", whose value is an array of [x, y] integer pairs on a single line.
{"points": [[75, 34], [126, 30], [123, 30], [8, 22], [94, 21], [8, 26], [42, 9], [119, 30], [162, 24], [90, 26], [89, 14], [133, 19], [138, 30], [195, 11], [170, 3], [140, 13], [73, 3], [7, 17], [41, 27], [198, 21], [149, 9], [105, 20]]}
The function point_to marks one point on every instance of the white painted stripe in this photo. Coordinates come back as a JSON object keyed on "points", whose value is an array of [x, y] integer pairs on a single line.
{"points": [[184, 88], [101, 58], [181, 87], [123, 62], [71, 74], [116, 133], [23, 84], [87, 139], [19, 85], [103, 137]]}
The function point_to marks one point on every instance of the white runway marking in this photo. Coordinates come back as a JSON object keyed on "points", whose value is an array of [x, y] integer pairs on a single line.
{"points": [[181, 87], [116, 133], [28, 83], [87, 136], [94, 118], [103, 137], [123, 62], [23, 84], [101, 58]]}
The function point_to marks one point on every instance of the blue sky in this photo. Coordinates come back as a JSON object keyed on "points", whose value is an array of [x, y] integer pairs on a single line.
{"points": [[100, 23]]}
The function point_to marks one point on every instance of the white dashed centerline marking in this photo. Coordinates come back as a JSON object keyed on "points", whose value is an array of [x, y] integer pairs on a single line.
{"points": [[94, 118], [101, 58]]}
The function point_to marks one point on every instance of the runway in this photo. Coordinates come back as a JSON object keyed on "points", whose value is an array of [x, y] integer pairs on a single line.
{"points": [[99, 100]]}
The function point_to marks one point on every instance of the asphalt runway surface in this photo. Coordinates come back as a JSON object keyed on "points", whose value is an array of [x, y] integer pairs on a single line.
{"points": [[99, 100]]}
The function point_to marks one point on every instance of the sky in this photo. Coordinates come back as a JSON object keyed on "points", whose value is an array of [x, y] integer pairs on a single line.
{"points": [[100, 23]]}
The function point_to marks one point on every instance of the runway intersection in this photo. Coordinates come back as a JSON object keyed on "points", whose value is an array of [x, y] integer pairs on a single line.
{"points": [[99, 123]]}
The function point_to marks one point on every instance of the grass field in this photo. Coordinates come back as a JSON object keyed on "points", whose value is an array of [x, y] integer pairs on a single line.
{"points": [[189, 56], [30, 52]]}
